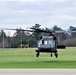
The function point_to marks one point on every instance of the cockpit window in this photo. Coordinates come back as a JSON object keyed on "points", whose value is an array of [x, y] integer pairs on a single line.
{"points": [[51, 42], [40, 42], [46, 42]]}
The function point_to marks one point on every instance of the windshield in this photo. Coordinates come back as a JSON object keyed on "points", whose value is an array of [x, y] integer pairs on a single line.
{"points": [[46, 42], [51, 42], [40, 42]]}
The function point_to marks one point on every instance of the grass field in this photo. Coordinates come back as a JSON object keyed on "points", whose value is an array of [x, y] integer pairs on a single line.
{"points": [[26, 58]]}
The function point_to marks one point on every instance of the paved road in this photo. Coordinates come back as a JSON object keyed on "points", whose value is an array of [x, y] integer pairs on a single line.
{"points": [[37, 71]]}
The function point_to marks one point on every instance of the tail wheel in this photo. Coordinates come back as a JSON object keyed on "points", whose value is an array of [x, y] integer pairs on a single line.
{"points": [[37, 54]]}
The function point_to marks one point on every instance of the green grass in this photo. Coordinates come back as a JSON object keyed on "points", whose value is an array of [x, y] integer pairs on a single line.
{"points": [[26, 58]]}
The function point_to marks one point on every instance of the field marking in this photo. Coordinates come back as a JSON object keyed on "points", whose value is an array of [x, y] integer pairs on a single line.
{"points": [[37, 71]]}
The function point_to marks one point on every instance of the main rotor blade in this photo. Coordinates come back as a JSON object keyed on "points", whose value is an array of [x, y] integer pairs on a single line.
{"points": [[16, 29], [7, 29], [33, 30], [40, 30]]}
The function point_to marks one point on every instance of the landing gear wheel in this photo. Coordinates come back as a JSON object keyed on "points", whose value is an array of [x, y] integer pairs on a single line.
{"points": [[56, 55], [51, 55], [37, 54]]}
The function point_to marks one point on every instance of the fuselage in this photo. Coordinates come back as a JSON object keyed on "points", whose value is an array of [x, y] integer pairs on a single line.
{"points": [[46, 44]]}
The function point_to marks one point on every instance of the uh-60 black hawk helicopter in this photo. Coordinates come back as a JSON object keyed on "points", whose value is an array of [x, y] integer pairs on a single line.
{"points": [[47, 43]]}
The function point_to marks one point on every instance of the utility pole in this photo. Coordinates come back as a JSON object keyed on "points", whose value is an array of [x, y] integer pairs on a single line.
{"points": [[21, 39], [3, 39]]}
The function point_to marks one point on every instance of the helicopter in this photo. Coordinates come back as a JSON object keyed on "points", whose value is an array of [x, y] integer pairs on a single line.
{"points": [[47, 43]]}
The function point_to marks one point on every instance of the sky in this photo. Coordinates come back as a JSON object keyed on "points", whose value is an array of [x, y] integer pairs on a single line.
{"points": [[47, 13]]}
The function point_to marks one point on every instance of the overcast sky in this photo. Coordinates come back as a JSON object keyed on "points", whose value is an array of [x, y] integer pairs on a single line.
{"points": [[47, 13]]}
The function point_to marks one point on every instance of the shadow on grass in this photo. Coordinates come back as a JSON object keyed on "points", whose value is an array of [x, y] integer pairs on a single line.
{"points": [[57, 61]]}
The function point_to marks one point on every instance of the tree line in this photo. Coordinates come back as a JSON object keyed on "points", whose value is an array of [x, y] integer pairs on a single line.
{"points": [[27, 38]]}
